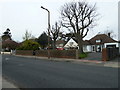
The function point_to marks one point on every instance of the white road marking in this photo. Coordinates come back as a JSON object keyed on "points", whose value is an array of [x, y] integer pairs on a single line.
{"points": [[7, 58]]}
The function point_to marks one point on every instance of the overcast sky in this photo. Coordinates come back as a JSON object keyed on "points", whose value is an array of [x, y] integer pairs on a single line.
{"points": [[22, 15]]}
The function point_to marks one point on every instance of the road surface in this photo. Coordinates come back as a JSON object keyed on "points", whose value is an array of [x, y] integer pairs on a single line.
{"points": [[36, 73]]}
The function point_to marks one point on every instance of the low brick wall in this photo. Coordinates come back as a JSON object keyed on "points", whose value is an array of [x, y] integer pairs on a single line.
{"points": [[24, 52], [63, 53], [53, 53]]}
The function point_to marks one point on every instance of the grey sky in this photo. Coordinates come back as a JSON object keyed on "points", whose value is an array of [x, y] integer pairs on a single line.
{"points": [[22, 15]]}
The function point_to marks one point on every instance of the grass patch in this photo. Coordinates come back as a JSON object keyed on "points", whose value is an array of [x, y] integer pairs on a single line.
{"points": [[83, 55]]}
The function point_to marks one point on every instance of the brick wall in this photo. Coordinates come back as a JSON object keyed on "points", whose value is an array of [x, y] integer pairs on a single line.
{"points": [[53, 53]]}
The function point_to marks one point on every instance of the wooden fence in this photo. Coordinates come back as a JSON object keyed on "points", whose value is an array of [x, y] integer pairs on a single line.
{"points": [[109, 53]]}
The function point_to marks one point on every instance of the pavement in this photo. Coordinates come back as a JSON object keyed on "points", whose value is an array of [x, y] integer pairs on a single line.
{"points": [[7, 84], [113, 64], [4, 83]]}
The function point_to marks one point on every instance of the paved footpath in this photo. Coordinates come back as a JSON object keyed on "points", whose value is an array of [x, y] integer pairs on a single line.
{"points": [[90, 62], [7, 84]]}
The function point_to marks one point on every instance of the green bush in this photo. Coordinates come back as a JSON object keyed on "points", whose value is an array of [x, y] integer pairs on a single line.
{"points": [[29, 45], [83, 55]]}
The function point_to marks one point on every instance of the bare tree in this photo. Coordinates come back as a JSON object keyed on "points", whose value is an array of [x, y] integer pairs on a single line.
{"points": [[27, 35], [79, 17], [55, 33]]}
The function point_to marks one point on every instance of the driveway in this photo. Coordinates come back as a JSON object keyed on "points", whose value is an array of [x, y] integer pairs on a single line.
{"points": [[94, 56], [98, 56]]}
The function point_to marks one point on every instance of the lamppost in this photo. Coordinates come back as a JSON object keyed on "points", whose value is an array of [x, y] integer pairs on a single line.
{"points": [[48, 30]]}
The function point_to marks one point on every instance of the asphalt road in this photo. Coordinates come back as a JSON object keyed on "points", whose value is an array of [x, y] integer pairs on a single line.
{"points": [[36, 73]]}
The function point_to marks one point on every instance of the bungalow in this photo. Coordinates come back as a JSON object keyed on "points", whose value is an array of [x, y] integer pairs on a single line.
{"points": [[8, 45], [95, 44], [101, 41]]}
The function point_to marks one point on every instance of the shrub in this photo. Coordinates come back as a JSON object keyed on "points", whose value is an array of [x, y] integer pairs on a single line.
{"points": [[29, 45], [83, 55]]}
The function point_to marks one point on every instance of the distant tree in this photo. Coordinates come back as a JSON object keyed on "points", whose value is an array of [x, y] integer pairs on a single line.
{"points": [[43, 40], [27, 36], [55, 33], [79, 17], [29, 45], [6, 35]]}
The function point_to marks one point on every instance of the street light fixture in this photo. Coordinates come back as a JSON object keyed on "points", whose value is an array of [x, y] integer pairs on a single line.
{"points": [[48, 30]]}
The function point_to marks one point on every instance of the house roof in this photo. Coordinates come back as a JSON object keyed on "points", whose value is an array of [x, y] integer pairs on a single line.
{"points": [[60, 42], [85, 42], [103, 37], [9, 42]]}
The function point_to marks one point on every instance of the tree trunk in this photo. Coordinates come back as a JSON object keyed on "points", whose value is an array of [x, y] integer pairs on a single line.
{"points": [[54, 44], [80, 43]]}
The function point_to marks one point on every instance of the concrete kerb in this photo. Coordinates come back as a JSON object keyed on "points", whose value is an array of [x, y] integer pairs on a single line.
{"points": [[63, 59]]}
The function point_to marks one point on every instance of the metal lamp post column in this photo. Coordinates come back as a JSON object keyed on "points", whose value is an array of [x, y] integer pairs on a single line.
{"points": [[48, 30]]}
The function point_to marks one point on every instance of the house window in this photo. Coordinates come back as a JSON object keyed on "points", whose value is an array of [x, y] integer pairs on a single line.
{"points": [[71, 43], [98, 41]]}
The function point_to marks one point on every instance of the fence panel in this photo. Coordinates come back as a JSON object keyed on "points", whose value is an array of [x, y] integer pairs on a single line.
{"points": [[109, 53], [112, 53]]}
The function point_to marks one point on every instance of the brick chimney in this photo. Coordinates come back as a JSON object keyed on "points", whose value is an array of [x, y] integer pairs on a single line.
{"points": [[109, 34]]}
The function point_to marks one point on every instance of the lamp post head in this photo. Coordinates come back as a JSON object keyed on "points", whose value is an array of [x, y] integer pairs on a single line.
{"points": [[44, 8]]}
